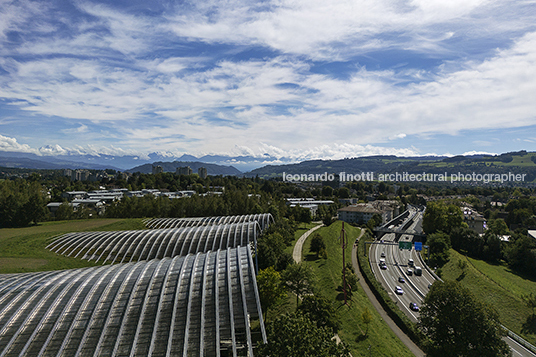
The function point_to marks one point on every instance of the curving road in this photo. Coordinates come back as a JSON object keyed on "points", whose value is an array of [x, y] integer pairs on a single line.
{"points": [[415, 287]]}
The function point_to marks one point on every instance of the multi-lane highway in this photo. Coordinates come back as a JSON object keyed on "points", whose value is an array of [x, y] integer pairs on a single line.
{"points": [[396, 261], [415, 287]]}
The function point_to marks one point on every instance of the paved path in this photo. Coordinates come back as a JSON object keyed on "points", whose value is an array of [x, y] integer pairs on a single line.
{"points": [[297, 254], [298, 247], [398, 332]]}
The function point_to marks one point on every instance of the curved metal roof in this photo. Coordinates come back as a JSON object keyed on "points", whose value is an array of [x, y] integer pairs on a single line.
{"points": [[132, 246], [264, 219], [198, 305]]}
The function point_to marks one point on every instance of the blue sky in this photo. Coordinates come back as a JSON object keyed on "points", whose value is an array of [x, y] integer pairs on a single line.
{"points": [[295, 79]]}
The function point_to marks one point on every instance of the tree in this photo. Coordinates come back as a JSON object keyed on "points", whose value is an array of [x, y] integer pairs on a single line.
{"points": [[458, 324], [350, 277], [498, 226], [439, 216], [295, 335], [530, 301], [492, 250], [343, 192], [439, 244], [367, 319], [317, 244], [462, 264], [65, 211], [271, 289], [522, 255], [375, 221], [271, 246], [327, 191], [327, 220], [320, 311], [34, 209], [299, 279]]}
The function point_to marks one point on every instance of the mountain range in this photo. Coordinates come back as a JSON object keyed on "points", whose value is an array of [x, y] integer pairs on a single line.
{"points": [[123, 163], [517, 162]]}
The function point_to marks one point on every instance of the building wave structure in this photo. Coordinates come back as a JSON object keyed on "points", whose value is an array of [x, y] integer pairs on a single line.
{"points": [[264, 220], [195, 305], [131, 246]]}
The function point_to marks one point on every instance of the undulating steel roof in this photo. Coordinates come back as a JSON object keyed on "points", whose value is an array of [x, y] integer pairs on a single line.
{"points": [[131, 246], [195, 305], [264, 219]]}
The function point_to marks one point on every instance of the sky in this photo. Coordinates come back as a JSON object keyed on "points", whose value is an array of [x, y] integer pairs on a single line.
{"points": [[285, 79]]}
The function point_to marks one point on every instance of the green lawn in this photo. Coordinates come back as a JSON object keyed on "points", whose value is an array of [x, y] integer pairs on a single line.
{"points": [[500, 287], [23, 249], [524, 161], [381, 339]]}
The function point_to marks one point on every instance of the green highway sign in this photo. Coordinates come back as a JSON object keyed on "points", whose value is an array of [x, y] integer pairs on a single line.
{"points": [[404, 245]]}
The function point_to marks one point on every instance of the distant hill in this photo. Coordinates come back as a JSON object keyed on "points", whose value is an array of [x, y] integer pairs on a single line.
{"points": [[30, 161], [521, 162], [212, 169], [353, 165]]}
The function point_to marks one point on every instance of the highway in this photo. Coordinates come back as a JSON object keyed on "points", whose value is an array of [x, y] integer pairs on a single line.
{"points": [[415, 287]]}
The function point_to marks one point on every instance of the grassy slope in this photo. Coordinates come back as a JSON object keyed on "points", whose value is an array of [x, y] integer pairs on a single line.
{"points": [[499, 286], [524, 161], [302, 228], [23, 249], [381, 339]]}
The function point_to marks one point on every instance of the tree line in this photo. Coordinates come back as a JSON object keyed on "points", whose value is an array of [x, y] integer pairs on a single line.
{"points": [[443, 222], [22, 203]]}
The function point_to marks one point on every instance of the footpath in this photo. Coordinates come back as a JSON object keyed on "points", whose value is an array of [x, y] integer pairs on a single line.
{"points": [[297, 254], [298, 247]]}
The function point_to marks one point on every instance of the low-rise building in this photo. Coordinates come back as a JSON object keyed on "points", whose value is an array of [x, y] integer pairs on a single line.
{"points": [[362, 212], [474, 220], [73, 195], [357, 214]]}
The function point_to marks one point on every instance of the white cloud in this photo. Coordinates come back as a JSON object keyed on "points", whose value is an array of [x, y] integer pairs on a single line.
{"points": [[473, 152], [251, 101], [81, 129], [11, 145], [115, 68], [53, 150], [336, 29]]}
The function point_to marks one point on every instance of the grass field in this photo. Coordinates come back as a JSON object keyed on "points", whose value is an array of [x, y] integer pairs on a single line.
{"points": [[498, 286], [23, 249], [380, 341], [523, 161]]}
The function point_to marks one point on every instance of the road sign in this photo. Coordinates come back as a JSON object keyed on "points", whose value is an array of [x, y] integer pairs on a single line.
{"points": [[418, 246], [404, 245]]}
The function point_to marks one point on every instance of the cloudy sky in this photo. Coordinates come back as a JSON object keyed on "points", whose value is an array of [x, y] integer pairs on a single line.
{"points": [[289, 78]]}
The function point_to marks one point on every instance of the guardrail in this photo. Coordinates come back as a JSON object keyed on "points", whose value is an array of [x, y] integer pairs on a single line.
{"points": [[520, 340]]}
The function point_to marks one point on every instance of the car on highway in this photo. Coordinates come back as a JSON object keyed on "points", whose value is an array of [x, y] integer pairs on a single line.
{"points": [[398, 290], [382, 255], [383, 266], [413, 306], [410, 262], [418, 271], [409, 272], [401, 279]]}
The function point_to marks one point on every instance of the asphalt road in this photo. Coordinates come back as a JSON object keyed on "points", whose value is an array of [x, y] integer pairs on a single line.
{"points": [[415, 287]]}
